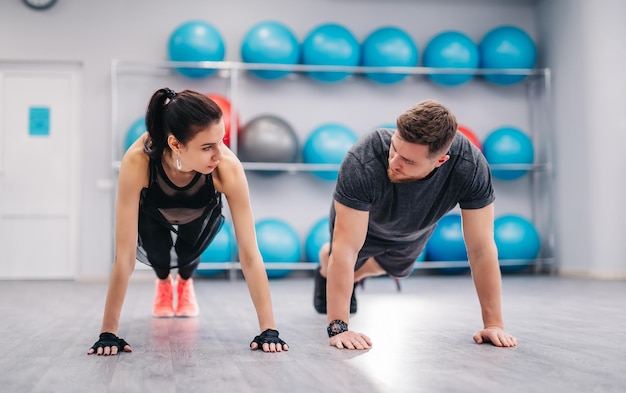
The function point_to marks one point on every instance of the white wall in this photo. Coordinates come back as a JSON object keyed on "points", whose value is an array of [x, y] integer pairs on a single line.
{"points": [[587, 53], [95, 32]]}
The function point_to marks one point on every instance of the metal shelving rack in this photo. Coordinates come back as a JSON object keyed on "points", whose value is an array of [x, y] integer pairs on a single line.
{"points": [[538, 90]]}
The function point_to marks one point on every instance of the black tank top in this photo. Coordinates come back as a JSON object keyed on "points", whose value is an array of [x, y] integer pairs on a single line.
{"points": [[196, 206]]}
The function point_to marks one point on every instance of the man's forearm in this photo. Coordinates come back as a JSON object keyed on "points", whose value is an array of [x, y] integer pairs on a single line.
{"points": [[340, 283], [488, 283]]}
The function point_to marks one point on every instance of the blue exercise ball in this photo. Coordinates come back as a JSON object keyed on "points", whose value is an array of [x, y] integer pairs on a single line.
{"points": [[328, 144], [278, 242], [508, 145], [220, 250], [516, 239], [507, 47], [195, 41], [388, 47], [447, 244], [330, 44], [451, 49], [318, 235], [136, 129], [270, 42]]}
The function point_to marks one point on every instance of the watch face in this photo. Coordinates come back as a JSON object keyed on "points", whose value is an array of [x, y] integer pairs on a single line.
{"points": [[39, 4], [336, 327]]}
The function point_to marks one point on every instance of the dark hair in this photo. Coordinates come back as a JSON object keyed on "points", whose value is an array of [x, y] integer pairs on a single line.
{"points": [[428, 123], [181, 114]]}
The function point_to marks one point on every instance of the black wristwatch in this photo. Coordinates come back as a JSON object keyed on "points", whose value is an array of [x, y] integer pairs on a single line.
{"points": [[336, 327]]}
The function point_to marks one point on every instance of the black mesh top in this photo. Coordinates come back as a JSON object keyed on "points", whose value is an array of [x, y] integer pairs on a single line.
{"points": [[193, 212]]}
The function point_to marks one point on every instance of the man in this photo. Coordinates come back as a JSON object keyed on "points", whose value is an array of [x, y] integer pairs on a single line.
{"points": [[392, 189]]}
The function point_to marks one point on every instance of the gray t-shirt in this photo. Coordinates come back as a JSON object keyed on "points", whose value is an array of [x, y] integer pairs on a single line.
{"points": [[408, 212]]}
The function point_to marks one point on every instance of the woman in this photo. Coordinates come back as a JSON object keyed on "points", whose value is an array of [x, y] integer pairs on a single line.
{"points": [[169, 196]]}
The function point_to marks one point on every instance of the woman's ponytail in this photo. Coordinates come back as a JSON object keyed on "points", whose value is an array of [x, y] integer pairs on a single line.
{"points": [[157, 134]]}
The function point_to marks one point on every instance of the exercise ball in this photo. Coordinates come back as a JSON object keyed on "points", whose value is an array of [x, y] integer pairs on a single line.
{"points": [[388, 47], [507, 47], [451, 49], [508, 145], [270, 42], [517, 239], [220, 250], [447, 244], [136, 129], [268, 138], [195, 41], [226, 108], [330, 44], [470, 135], [278, 242], [328, 144], [318, 235]]}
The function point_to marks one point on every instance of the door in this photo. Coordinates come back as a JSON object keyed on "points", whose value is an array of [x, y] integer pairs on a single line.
{"points": [[38, 171]]}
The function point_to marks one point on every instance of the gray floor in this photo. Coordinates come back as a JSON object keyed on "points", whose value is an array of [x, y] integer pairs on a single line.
{"points": [[571, 336]]}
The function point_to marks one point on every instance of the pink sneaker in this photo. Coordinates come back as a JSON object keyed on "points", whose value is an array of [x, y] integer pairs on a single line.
{"points": [[187, 304], [163, 306]]}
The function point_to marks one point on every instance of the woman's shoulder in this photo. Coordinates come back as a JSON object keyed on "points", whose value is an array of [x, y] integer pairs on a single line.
{"points": [[229, 169], [229, 161], [135, 157], [135, 164]]}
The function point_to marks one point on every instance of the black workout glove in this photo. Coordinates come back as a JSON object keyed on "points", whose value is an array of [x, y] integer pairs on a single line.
{"points": [[268, 336], [109, 340]]}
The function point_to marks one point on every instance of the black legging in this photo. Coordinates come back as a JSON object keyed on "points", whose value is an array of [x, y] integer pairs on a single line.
{"points": [[185, 272], [157, 241]]}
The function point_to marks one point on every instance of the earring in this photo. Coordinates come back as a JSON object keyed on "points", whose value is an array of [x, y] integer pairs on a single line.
{"points": [[179, 166]]}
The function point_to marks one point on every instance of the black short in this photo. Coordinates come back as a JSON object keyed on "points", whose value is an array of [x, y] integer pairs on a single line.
{"points": [[397, 259]]}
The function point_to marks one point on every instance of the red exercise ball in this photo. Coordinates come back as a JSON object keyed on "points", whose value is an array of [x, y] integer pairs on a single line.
{"points": [[225, 106], [471, 136]]}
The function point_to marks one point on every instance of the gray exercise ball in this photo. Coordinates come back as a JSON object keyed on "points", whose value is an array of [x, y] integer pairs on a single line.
{"points": [[268, 138]]}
